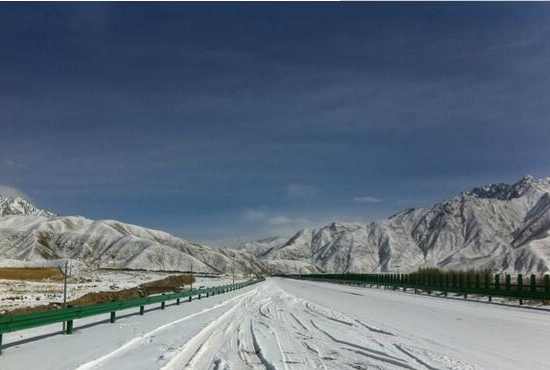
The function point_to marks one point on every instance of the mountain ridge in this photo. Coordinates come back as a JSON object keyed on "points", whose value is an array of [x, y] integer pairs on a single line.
{"points": [[18, 206], [498, 227]]}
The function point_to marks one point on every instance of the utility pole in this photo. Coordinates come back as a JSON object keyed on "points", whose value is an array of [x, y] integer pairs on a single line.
{"points": [[191, 274], [233, 271], [65, 289]]}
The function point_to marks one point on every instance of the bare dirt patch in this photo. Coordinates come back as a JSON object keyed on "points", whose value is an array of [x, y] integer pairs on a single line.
{"points": [[31, 274]]}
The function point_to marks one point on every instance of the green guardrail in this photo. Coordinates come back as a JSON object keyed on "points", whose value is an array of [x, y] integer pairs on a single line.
{"points": [[460, 283], [31, 320]]}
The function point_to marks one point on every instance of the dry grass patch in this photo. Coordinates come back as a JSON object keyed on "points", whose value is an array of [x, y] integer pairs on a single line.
{"points": [[31, 273]]}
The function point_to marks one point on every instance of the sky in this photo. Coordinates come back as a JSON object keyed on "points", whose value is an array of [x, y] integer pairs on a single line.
{"points": [[223, 123]]}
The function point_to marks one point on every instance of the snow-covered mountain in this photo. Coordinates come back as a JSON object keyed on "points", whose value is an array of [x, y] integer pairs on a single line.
{"points": [[113, 244], [504, 228], [31, 236], [499, 227], [260, 247], [263, 248], [10, 206]]}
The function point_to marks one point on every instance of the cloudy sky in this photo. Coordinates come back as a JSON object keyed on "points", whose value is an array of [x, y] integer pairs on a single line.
{"points": [[222, 123]]}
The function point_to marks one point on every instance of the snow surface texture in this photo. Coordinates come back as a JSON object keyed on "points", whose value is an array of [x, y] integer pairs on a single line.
{"points": [[290, 324], [498, 227]]}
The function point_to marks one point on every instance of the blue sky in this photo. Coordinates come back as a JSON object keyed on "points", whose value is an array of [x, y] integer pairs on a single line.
{"points": [[229, 122]]}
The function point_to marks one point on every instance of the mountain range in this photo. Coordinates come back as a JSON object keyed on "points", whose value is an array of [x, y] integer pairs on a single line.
{"points": [[497, 227], [35, 237]]}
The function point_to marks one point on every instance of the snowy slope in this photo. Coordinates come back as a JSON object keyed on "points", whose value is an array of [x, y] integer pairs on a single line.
{"points": [[288, 261], [260, 247], [33, 237], [112, 244], [498, 227], [19, 206]]}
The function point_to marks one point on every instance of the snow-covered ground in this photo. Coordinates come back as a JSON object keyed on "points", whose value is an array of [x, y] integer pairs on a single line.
{"points": [[20, 293], [290, 324]]}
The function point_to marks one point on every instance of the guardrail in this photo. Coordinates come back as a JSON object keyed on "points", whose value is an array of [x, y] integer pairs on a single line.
{"points": [[485, 285], [31, 320]]}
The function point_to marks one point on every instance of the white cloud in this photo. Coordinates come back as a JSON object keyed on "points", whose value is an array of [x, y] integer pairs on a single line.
{"points": [[8, 191], [366, 199], [279, 220], [255, 215], [267, 223], [299, 191]]}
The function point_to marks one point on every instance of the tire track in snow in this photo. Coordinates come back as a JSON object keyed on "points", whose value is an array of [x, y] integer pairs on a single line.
{"points": [[318, 312], [186, 356], [298, 321], [382, 359], [258, 350], [142, 338], [379, 355], [400, 348], [373, 329], [319, 362]]}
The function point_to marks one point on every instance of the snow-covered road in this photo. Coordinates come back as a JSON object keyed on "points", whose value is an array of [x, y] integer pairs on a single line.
{"points": [[289, 324]]}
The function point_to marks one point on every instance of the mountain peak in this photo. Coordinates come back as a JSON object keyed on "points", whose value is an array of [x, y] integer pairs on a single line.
{"points": [[504, 191], [17, 206]]}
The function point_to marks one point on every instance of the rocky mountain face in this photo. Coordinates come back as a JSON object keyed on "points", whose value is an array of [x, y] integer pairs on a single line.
{"points": [[31, 236], [498, 227], [113, 244], [260, 247], [16, 206]]}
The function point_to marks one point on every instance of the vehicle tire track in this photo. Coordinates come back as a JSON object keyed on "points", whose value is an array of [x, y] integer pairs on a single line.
{"points": [[382, 356], [133, 343], [417, 359], [258, 350], [183, 358], [373, 329]]}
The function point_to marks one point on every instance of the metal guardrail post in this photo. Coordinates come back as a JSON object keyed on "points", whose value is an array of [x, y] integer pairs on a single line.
{"points": [[486, 286], [141, 310], [177, 302], [162, 305], [70, 327], [520, 287], [112, 319], [69, 324]]}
